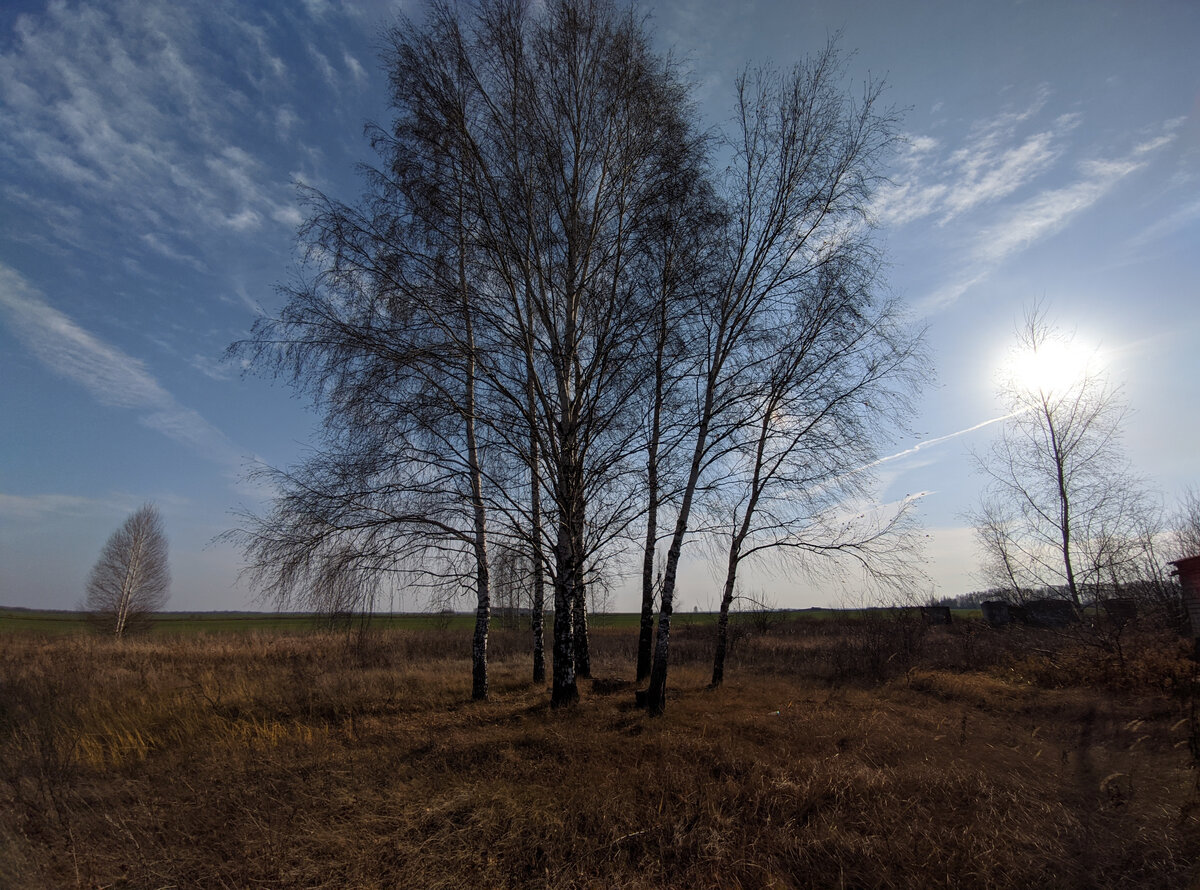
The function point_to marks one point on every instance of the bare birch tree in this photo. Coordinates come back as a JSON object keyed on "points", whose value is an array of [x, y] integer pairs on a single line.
{"points": [[544, 324], [1061, 506], [678, 270], [131, 580], [799, 481], [567, 134], [1185, 526], [806, 157], [383, 335]]}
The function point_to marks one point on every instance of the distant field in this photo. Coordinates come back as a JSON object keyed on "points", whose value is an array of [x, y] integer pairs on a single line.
{"points": [[172, 623], [56, 622]]}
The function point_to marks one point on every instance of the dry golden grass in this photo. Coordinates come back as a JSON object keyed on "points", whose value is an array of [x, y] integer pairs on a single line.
{"points": [[306, 761]]}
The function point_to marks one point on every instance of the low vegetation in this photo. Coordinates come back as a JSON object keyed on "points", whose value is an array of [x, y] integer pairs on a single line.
{"points": [[855, 753]]}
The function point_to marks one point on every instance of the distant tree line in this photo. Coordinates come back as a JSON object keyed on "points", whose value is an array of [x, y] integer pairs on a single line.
{"points": [[1147, 592], [563, 327]]}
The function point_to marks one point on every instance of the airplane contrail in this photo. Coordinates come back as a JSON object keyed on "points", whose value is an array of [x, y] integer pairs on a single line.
{"points": [[939, 439]]}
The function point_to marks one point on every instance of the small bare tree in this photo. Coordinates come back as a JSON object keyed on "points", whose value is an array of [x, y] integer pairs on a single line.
{"points": [[1185, 526], [1061, 508], [131, 579], [837, 378]]}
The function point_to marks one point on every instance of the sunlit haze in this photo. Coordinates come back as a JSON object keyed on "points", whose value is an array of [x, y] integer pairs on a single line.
{"points": [[1053, 367], [150, 153]]}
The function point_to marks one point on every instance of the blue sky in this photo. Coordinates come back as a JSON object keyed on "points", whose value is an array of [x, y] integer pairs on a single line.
{"points": [[149, 152]]}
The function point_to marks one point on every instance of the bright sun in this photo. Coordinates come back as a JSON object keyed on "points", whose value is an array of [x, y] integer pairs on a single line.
{"points": [[1053, 367]]}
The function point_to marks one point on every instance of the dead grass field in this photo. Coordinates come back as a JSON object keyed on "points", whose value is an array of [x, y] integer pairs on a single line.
{"points": [[834, 756]]}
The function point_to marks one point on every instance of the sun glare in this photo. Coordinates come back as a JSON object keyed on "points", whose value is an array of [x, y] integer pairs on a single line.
{"points": [[1053, 367]]}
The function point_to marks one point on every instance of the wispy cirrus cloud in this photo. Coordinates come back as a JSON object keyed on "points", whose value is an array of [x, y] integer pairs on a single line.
{"points": [[1043, 215], [1011, 182], [35, 507], [134, 110], [995, 159], [1047, 212], [112, 377]]}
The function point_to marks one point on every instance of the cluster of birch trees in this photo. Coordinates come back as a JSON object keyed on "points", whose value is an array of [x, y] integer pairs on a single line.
{"points": [[565, 330]]}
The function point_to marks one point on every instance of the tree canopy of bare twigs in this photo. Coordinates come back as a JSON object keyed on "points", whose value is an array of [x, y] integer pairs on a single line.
{"points": [[1185, 526], [796, 339], [132, 579], [474, 327]]}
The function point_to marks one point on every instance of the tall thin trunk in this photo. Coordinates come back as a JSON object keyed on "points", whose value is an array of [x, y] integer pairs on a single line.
{"points": [[656, 693], [483, 607], [1064, 506], [569, 493], [583, 656], [646, 628], [735, 545], [568, 581], [568, 559], [537, 618], [564, 691], [718, 674], [128, 583]]}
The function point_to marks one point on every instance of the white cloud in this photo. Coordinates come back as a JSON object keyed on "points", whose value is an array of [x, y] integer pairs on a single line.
{"points": [[213, 368], [994, 161], [245, 220], [128, 104], [897, 205], [317, 8], [921, 145], [1048, 212], [355, 68], [989, 173], [31, 508], [161, 247], [112, 377], [286, 120], [948, 293], [289, 215], [323, 65]]}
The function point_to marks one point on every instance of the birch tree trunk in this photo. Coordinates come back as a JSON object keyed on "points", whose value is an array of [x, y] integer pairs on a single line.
{"points": [[583, 655], [646, 624], [483, 604]]}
